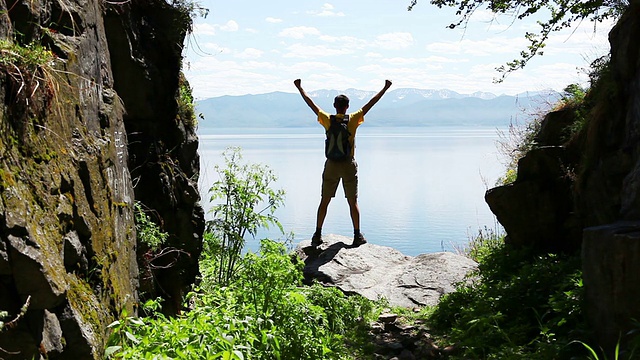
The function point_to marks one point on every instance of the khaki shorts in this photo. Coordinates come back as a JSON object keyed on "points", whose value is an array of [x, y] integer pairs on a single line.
{"points": [[336, 170]]}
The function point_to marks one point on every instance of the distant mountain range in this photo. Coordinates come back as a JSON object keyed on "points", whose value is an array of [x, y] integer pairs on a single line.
{"points": [[399, 107]]}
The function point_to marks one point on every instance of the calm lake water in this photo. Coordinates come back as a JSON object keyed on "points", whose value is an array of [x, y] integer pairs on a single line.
{"points": [[421, 190]]}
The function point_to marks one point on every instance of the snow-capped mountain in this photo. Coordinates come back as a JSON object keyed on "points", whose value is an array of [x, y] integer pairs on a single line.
{"points": [[398, 107]]}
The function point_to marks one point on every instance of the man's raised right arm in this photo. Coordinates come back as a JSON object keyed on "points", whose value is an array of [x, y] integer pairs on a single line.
{"points": [[306, 97], [376, 97]]}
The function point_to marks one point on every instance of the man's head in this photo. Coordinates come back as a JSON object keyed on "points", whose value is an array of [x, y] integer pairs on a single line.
{"points": [[341, 103]]}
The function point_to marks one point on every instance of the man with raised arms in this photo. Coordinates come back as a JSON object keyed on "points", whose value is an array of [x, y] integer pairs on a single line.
{"points": [[344, 169]]}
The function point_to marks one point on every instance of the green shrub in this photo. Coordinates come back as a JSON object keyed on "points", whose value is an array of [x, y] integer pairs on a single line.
{"points": [[515, 306], [574, 98], [240, 190], [186, 106], [205, 333], [263, 314], [29, 57], [342, 312], [266, 277], [148, 232], [483, 244]]}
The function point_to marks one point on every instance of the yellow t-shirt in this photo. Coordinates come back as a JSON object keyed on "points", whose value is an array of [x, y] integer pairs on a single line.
{"points": [[355, 119]]}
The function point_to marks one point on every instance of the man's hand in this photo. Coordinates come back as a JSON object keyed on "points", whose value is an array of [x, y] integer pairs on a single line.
{"points": [[387, 84], [297, 82]]}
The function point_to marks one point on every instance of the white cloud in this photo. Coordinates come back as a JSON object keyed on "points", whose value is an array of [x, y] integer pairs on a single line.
{"points": [[214, 48], [402, 61], [370, 68], [314, 51], [581, 42], [533, 78], [310, 66], [327, 10], [327, 55], [236, 82], [299, 32], [204, 29], [344, 41], [230, 25], [400, 68], [335, 80], [498, 28], [442, 59], [558, 75], [250, 53], [486, 47], [207, 64], [484, 72], [483, 16], [394, 41], [444, 47], [208, 29], [210, 76], [258, 65], [492, 46]]}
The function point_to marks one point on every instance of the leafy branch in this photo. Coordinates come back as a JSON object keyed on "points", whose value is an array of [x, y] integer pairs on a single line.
{"points": [[562, 14], [13, 323], [23, 310]]}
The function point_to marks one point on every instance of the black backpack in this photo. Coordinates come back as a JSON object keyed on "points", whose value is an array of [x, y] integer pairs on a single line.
{"points": [[337, 145]]}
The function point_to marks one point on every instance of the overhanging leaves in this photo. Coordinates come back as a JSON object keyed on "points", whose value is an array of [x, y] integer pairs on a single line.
{"points": [[561, 14]]}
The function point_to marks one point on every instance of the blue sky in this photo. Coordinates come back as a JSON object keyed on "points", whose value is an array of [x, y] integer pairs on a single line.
{"points": [[255, 47]]}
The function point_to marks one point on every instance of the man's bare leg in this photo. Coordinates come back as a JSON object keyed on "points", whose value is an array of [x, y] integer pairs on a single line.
{"points": [[322, 211], [355, 212], [358, 238], [322, 214]]}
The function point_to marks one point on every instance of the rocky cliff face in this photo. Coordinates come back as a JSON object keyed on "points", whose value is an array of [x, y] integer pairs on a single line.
{"points": [[145, 42], [582, 192], [90, 121]]}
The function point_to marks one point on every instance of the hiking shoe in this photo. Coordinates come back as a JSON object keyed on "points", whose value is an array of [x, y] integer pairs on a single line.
{"points": [[316, 239], [359, 240]]}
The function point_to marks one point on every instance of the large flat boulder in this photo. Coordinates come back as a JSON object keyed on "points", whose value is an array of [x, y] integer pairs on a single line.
{"points": [[375, 271]]}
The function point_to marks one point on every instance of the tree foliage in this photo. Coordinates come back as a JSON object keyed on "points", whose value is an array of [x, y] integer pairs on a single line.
{"points": [[559, 14]]}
